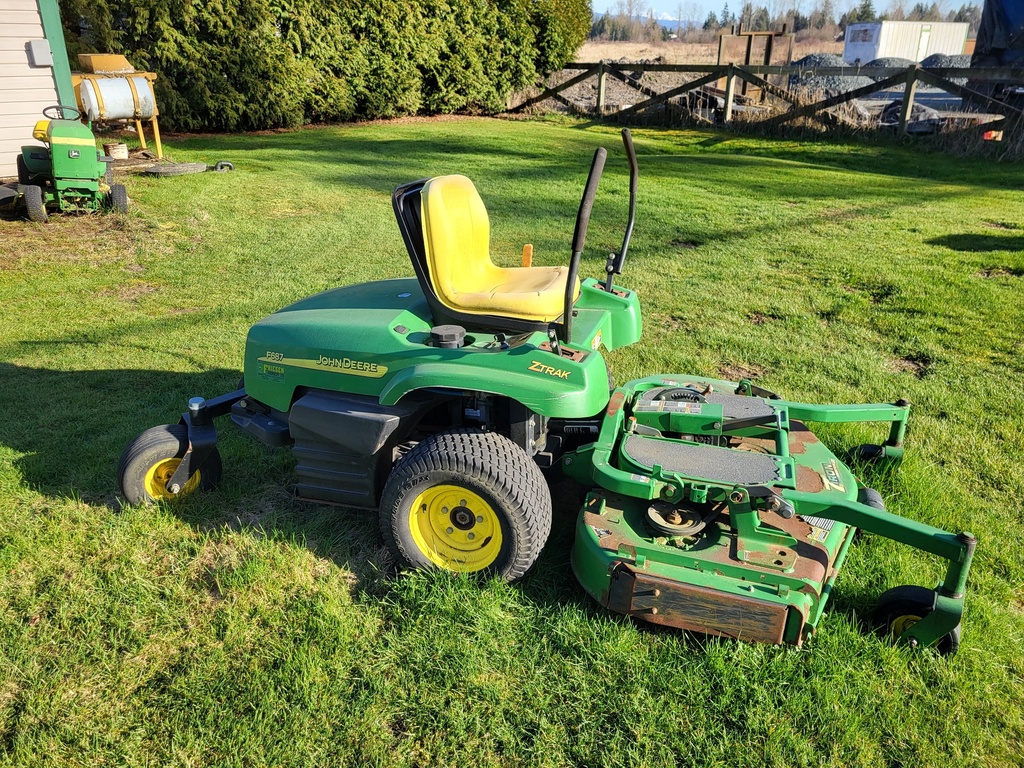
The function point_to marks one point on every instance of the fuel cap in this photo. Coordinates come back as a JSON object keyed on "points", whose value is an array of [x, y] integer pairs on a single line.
{"points": [[448, 336]]}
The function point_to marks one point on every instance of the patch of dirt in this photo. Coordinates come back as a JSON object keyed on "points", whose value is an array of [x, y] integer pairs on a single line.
{"points": [[840, 214], [130, 292], [1001, 225], [917, 363], [65, 237], [215, 557], [990, 272], [761, 318], [685, 244], [738, 371], [677, 323]]}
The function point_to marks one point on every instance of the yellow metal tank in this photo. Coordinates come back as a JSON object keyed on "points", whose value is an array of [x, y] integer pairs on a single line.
{"points": [[109, 89]]}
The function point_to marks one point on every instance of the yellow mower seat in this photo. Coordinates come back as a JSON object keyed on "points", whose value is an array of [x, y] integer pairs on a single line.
{"points": [[456, 238]]}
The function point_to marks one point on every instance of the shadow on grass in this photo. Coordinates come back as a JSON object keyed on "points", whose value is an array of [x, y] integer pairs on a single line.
{"points": [[463, 140], [973, 243], [68, 428], [695, 175]]}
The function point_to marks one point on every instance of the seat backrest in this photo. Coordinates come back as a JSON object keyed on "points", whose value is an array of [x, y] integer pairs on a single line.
{"points": [[407, 201], [456, 235], [41, 132]]}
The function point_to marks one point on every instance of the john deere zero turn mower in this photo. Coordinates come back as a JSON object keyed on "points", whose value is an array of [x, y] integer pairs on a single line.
{"points": [[438, 399]]}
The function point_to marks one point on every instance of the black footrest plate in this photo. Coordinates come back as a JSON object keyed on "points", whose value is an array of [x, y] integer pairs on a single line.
{"points": [[703, 462]]}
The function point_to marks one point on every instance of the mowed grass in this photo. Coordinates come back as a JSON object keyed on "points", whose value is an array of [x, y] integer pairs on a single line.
{"points": [[244, 628]]}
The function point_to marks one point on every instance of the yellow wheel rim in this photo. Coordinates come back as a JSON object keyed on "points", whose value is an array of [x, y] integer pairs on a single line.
{"points": [[160, 473], [455, 528], [901, 624]]}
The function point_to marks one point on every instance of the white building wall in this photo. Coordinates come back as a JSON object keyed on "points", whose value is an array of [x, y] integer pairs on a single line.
{"points": [[25, 89]]}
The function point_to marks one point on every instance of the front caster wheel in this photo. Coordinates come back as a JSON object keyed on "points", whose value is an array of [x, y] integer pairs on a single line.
{"points": [[900, 608], [469, 502], [150, 460]]}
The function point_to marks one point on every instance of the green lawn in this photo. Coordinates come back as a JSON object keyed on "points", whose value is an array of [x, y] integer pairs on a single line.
{"points": [[245, 628]]}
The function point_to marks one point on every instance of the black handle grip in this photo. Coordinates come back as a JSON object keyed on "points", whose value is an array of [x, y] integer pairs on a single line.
{"points": [[627, 140], [619, 259], [579, 237]]}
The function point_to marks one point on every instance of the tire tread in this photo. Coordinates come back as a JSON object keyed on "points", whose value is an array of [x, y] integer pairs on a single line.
{"points": [[164, 441], [490, 459]]}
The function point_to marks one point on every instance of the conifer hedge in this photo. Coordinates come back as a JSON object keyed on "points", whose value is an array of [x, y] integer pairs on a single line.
{"points": [[229, 65]]}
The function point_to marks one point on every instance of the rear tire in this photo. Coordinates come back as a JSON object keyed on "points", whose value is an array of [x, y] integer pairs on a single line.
{"points": [[34, 204], [119, 198], [467, 502], [150, 460], [23, 175]]}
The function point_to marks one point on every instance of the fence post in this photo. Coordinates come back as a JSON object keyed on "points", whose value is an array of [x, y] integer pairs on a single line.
{"points": [[602, 81], [908, 98], [730, 92]]}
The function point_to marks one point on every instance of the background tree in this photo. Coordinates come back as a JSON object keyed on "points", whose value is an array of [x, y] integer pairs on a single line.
{"points": [[252, 64]]}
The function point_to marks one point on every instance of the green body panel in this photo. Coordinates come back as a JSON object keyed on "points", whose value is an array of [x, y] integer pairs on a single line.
{"points": [[373, 339], [760, 563], [37, 162], [611, 320], [73, 153]]}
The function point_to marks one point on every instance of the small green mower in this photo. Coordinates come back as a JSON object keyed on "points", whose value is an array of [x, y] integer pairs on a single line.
{"points": [[439, 399], [68, 174]]}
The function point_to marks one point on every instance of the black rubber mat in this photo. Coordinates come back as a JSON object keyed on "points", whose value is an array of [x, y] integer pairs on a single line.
{"points": [[704, 462], [742, 407], [733, 406]]}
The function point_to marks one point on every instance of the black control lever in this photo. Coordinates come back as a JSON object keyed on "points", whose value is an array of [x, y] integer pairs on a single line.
{"points": [[579, 238], [617, 260]]}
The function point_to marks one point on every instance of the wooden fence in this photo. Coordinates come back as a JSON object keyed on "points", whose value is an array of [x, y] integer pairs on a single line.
{"points": [[757, 79]]}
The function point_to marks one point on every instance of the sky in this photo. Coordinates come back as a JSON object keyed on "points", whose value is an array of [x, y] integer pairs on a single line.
{"points": [[698, 9]]}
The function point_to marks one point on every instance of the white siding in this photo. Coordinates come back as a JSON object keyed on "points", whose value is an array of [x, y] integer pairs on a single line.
{"points": [[914, 40], [24, 89], [948, 38]]}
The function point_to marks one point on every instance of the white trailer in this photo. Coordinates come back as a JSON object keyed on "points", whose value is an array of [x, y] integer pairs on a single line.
{"points": [[914, 40]]}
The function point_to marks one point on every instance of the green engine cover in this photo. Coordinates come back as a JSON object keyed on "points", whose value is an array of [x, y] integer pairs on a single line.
{"points": [[74, 155], [374, 339]]}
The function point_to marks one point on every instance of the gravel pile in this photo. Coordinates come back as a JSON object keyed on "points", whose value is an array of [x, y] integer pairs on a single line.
{"points": [[890, 61], [829, 85], [942, 60], [820, 60]]}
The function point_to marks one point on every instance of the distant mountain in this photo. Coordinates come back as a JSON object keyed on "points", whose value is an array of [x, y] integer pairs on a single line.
{"points": [[665, 20]]}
